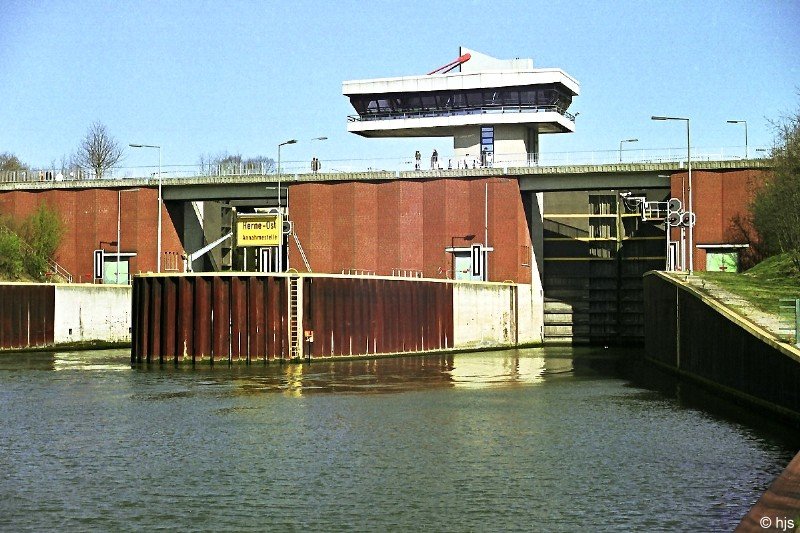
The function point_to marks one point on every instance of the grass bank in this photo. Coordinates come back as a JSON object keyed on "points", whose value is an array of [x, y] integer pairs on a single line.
{"points": [[762, 286]]}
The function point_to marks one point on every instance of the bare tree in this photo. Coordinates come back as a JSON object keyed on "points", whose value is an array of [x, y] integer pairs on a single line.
{"points": [[774, 208], [98, 150], [9, 161], [228, 164]]}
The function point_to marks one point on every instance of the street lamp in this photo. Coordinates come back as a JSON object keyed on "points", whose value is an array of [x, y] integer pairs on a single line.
{"points": [[746, 151], [689, 188], [468, 237], [119, 216], [160, 200], [286, 213], [290, 141], [620, 146]]}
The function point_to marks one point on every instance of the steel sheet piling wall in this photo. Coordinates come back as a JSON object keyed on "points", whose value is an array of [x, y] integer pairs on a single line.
{"points": [[209, 318], [220, 318], [170, 295], [185, 319], [366, 316], [239, 322], [26, 315], [154, 341], [256, 340], [245, 318], [202, 318]]}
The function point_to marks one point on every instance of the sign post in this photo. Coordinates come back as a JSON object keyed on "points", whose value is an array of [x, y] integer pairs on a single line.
{"points": [[258, 230], [264, 231]]}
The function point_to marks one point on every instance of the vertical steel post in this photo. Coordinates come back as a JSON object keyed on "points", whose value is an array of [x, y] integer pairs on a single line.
{"points": [[160, 208], [797, 322], [691, 203], [119, 216]]}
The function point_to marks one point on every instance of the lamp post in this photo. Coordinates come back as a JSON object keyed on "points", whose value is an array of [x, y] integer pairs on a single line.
{"points": [[468, 237], [290, 141], [119, 216], [689, 188], [284, 143], [160, 200], [620, 146], [746, 150]]}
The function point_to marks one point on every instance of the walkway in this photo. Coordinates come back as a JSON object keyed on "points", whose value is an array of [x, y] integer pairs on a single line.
{"points": [[775, 325]]}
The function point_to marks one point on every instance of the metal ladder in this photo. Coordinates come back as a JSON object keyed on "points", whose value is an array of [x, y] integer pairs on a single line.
{"points": [[299, 247], [295, 317]]}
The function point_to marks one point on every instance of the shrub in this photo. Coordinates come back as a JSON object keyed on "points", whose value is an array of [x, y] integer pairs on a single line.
{"points": [[29, 246], [10, 253], [775, 211]]}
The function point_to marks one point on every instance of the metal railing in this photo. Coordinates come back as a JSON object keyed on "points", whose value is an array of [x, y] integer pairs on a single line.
{"points": [[357, 272], [791, 307], [50, 174], [391, 164], [457, 112], [406, 273]]}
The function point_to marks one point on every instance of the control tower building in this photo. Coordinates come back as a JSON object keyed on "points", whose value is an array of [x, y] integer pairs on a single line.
{"points": [[493, 109]]}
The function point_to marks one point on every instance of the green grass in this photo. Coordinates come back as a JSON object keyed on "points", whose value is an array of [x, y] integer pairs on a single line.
{"points": [[763, 285]]}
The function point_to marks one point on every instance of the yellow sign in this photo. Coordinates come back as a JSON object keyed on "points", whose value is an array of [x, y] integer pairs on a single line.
{"points": [[259, 230]]}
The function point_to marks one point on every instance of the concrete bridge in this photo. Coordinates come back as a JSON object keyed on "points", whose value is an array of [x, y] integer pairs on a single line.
{"points": [[530, 178]]}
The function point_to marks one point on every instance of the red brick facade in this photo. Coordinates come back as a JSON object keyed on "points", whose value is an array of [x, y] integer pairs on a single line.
{"points": [[407, 224], [376, 226], [90, 216], [721, 200]]}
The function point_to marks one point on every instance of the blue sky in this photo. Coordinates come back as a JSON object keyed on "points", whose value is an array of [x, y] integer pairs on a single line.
{"points": [[241, 77]]}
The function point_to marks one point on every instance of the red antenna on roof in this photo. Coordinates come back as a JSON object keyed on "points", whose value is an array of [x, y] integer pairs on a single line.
{"points": [[444, 69]]}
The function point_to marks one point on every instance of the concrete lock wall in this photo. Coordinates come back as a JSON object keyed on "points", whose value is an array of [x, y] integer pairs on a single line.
{"points": [[495, 314], [530, 309], [697, 337], [86, 313]]}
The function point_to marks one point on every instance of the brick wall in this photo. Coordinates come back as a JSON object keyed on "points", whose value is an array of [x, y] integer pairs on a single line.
{"points": [[90, 216], [407, 224], [721, 200]]}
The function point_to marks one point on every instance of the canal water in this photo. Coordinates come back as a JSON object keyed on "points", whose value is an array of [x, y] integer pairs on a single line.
{"points": [[548, 439]]}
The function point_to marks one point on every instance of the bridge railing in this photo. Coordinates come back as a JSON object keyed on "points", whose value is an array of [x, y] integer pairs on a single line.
{"points": [[394, 164]]}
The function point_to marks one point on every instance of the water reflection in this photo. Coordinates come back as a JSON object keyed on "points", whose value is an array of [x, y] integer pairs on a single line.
{"points": [[392, 375], [477, 370], [87, 360], [92, 360]]}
